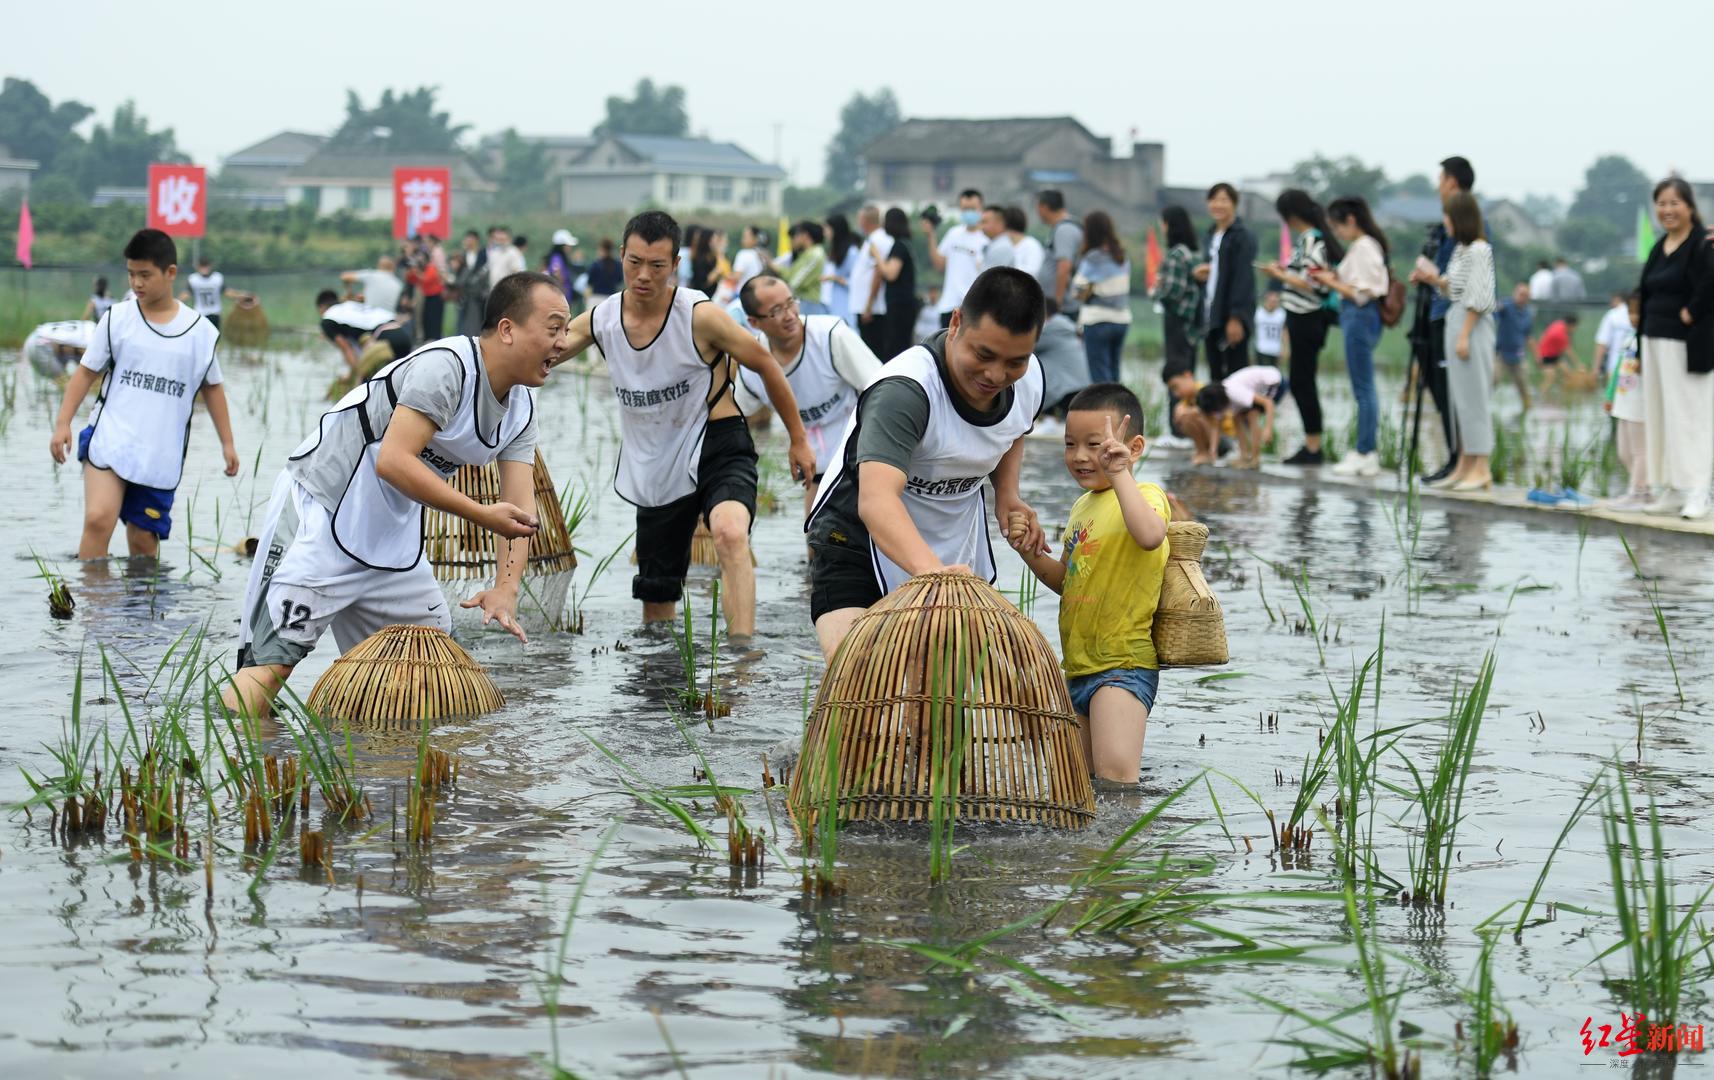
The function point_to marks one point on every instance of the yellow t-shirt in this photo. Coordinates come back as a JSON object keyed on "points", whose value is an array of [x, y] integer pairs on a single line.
{"points": [[1107, 607]]}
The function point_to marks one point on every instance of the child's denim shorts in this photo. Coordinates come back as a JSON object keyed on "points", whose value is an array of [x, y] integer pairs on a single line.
{"points": [[1143, 683]]}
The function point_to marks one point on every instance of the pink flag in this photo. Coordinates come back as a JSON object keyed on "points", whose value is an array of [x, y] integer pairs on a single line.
{"points": [[1285, 243], [26, 234]]}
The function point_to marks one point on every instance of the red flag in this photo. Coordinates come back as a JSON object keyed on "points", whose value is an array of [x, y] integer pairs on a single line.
{"points": [[178, 199], [1285, 243], [1151, 261], [26, 234], [422, 203]]}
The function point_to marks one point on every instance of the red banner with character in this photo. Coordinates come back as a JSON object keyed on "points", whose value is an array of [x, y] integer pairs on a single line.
{"points": [[422, 203], [178, 199]]}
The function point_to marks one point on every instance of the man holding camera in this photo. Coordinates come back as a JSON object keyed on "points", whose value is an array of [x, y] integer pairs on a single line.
{"points": [[1456, 175]]}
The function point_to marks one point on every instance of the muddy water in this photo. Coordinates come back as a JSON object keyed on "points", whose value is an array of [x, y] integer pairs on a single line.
{"points": [[439, 968]]}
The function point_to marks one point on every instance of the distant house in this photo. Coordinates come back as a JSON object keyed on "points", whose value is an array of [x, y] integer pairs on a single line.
{"points": [[362, 182], [1514, 225], [925, 161], [256, 175], [562, 151], [679, 175], [15, 173]]}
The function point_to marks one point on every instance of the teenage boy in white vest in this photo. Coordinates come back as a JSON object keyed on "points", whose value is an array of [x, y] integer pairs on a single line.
{"points": [[206, 288], [157, 355], [685, 451], [342, 543], [825, 362], [904, 495]]}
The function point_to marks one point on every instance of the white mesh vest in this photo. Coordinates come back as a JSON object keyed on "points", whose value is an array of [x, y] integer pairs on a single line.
{"points": [[664, 391], [825, 401], [142, 417], [374, 523], [944, 485]]}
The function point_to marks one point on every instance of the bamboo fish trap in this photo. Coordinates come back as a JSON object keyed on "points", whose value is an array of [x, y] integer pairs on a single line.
{"points": [[465, 556], [245, 327], [943, 678], [1190, 629], [403, 675]]}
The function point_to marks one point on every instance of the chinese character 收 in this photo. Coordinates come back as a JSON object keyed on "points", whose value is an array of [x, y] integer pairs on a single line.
{"points": [[175, 199]]}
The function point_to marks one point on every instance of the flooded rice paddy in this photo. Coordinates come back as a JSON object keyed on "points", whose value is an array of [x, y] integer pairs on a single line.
{"points": [[1207, 952]]}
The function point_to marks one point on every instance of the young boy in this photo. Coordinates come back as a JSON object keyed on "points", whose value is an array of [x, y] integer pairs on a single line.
{"points": [[1625, 403], [157, 354], [1208, 440], [205, 289], [1108, 579], [1249, 395], [1271, 343]]}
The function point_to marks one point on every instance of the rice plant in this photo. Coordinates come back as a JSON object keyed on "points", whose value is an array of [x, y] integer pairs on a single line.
{"points": [[1493, 1033], [1300, 585], [1652, 592], [60, 603], [1439, 797], [955, 676], [580, 597], [550, 986], [1668, 957]]}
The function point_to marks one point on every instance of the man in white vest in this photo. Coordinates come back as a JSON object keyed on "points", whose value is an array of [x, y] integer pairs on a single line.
{"points": [[156, 355], [685, 453], [825, 362], [905, 492], [342, 544]]}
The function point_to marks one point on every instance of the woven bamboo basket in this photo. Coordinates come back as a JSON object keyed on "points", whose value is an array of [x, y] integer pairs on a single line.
{"points": [[246, 327], [404, 674], [1190, 630], [461, 549], [890, 705]]}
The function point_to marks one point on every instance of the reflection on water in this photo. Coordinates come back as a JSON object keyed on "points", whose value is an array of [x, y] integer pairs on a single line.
{"points": [[437, 968]]}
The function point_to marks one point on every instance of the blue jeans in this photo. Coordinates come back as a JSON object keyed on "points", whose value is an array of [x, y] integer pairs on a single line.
{"points": [[1361, 325], [1102, 344], [1141, 683]]}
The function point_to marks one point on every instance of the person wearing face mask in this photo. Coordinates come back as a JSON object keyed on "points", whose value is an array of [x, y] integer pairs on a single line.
{"points": [[958, 255]]}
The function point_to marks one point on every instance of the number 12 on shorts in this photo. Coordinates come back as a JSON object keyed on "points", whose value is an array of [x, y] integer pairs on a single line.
{"points": [[293, 616]]}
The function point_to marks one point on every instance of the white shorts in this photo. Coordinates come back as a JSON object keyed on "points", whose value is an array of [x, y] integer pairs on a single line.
{"points": [[301, 584]]}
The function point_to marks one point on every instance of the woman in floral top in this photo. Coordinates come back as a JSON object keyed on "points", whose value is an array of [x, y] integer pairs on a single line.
{"points": [[1179, 294]]}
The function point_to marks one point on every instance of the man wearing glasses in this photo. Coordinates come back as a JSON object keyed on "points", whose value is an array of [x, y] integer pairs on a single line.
{"points": [[825, 362], [685, 452]]}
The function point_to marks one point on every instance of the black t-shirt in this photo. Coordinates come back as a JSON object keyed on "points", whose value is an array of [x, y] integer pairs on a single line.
{"points": [[892, 418], [901, 292]]}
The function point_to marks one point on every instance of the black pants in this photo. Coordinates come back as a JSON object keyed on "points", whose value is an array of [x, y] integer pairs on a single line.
{"points": [[434, 317], [1436, 376], [1224, 359], [900, 332], [874, 335], [1307, 334], [1180, 347]]}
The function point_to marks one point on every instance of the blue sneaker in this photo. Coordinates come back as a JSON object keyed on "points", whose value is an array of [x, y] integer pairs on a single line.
{"points": [[1570, 499], [1545, 497]]}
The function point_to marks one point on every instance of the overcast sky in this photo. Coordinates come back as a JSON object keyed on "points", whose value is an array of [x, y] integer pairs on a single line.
{"points": [[1531, 92]]}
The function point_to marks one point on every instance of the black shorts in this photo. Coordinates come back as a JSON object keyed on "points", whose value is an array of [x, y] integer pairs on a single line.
{"points": [[726, 472], [1549, 361], [840, 576], [213, 320], [398, 339]]}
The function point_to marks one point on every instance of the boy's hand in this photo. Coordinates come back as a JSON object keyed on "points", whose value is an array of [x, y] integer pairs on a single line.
{"points": [[1114, 455], [60, 445], [508, 521], [802, 459], [1013, 512], [230, 453]]}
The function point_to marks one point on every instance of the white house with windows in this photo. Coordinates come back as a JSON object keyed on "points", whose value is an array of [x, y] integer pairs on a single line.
{"points": [[362, 183], [679, 175]]}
